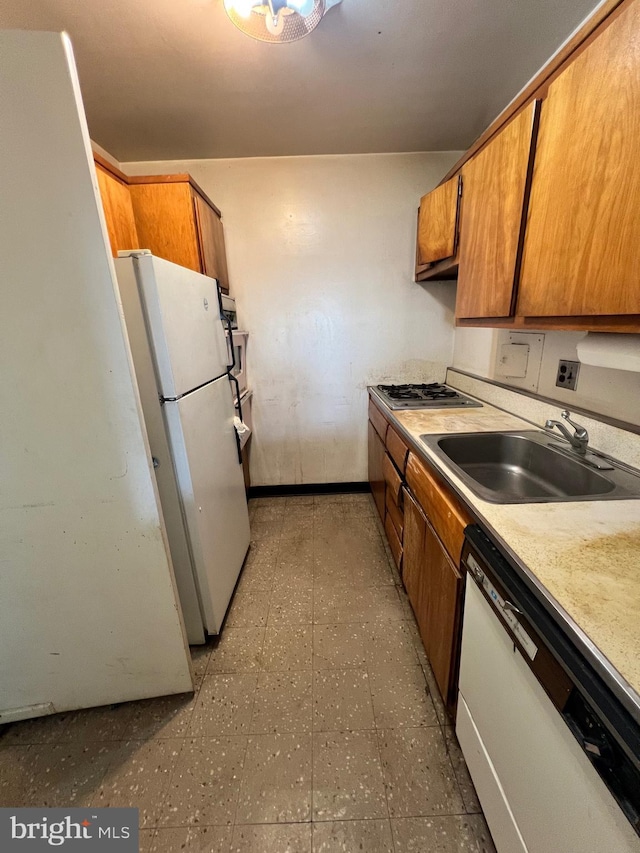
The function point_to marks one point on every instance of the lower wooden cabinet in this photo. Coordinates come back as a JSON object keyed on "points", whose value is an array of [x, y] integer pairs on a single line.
{"points": [[434, 588], [376, 475]]}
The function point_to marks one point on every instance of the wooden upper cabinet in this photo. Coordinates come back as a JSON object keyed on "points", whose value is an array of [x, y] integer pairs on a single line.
{"points": [[438, 223], [491, 223], [581, 252], [118, 209], [211, 238], [176, 221]]}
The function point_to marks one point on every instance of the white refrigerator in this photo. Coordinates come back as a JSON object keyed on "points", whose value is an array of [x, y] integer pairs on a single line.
{"points": [[180, 356]]}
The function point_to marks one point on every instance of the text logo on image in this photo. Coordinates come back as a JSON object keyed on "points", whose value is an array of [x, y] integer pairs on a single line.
{"points": [[102, 830]]}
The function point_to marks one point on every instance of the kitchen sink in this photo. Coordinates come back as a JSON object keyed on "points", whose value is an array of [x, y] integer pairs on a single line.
{"points": [[530, 467]]}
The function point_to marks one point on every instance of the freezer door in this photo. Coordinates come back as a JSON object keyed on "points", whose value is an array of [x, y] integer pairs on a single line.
{"points": [[209, 475], [183, 322]]}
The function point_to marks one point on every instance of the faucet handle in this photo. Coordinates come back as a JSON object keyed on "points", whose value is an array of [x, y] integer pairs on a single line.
{"points": [[580, 430]]}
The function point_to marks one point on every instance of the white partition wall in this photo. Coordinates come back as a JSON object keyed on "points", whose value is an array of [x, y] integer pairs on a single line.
{"points": [[88, 611]]}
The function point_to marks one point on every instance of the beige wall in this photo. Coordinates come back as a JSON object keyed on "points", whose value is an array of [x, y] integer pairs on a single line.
{"points": [[615, 393], [321, 255]]}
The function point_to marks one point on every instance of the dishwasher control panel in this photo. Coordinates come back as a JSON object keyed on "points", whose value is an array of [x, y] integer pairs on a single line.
{"points": [[505, 608]]}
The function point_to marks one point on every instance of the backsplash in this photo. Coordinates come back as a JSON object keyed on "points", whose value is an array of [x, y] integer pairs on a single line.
{"points": [[619, 443], [615, 393]]}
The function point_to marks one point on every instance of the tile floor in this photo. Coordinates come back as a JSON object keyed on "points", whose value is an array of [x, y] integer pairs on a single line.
{"points": [[315, 726]]}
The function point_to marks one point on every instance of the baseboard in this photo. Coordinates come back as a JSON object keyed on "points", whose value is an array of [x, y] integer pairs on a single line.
{"points": [[307, 489]]}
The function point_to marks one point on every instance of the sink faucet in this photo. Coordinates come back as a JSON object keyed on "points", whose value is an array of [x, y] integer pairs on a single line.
{"points": [[579, 440]]}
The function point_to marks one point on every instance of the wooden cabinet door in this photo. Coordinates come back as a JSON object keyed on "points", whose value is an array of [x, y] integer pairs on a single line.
{"points": [[118, 211], [491, 223], [166, 223], [444, 584], [376, 475], [581, 244], [211, 239], [413, 563], [438, 222]]}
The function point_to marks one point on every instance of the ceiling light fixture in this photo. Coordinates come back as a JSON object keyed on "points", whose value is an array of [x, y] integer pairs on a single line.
{"points": [[277, 21]]}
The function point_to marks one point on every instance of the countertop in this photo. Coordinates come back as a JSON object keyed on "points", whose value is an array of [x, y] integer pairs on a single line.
{"points": [[582, 556]]}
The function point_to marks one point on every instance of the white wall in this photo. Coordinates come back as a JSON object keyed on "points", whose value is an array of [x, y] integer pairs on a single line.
{"points": [[615, 393], [321, 257], [88, 612]]}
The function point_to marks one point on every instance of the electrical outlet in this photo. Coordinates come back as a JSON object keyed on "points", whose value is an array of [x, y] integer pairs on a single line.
{"points": [[567, 376]]}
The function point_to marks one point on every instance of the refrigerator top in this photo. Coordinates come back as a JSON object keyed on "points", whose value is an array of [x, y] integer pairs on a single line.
{"points": [[182, 316]]}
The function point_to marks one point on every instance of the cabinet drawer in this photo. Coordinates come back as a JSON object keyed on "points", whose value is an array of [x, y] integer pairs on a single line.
{"points": [[378, 420], [393, 480], [397, 515], [397, 449], [394, 542], [443, 509]]}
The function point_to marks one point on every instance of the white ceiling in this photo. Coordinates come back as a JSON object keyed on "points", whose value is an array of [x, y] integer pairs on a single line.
{"points": [[174, 79]]}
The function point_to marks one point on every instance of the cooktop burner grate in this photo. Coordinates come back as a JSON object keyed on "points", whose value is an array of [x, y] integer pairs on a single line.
{"points": [[425, 395]]}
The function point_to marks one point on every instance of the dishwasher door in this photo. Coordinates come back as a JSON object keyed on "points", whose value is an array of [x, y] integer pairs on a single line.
{"points": [[538, 790]]}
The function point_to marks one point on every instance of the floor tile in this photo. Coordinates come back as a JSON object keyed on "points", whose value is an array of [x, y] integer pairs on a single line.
{"points": [[238, 650], [359, 836], [145, 840], [390, 643], [283, 703], [224, 705], [138, 775], [339, 646], [164, 717], [291, 607], [17, 775], [69, 774], [199, 661], [299, 500], [418, 774], [272, 501], [249, 608], [294, 568], [341, 700], [47, 729], [288, 648], [205, 783], [453, 834], [269, 512], [107, 723], [401, 697], [436, 698], [297, 521], [259, 566], [276, 786], [267, 531], [360, 505], [326, 499], [465, 783], [347, 777], [195, 839], [272, 838], [356, 604]]}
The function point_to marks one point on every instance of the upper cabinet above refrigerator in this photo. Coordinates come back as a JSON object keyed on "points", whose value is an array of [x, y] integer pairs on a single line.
{"points": [[168, 214]]}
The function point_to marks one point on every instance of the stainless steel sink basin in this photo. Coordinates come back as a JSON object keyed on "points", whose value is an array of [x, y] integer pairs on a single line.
{"points": [[528, 467]]}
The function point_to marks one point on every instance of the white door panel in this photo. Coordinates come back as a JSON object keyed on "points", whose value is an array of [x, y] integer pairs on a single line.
{"points": [[212, 492], [183, 318]]}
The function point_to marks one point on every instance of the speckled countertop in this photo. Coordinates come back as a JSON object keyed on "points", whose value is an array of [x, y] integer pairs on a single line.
{"points": [[584, 555]]}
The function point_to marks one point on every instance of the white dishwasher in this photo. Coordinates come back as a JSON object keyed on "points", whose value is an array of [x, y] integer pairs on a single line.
{"points": [[537, 750]]}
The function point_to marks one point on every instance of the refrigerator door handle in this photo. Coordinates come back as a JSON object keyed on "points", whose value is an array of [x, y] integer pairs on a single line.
{"points": [[226, 320], [233, 379]]}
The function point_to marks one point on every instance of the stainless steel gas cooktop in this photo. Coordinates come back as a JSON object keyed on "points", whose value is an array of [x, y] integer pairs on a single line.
{"points": [[424, 396]]}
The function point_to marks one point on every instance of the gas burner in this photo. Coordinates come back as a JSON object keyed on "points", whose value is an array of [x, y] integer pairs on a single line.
{"points": [[430, 395]]}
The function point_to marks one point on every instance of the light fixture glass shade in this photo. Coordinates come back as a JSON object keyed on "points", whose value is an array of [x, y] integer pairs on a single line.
{"points": [[276, 21]]}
